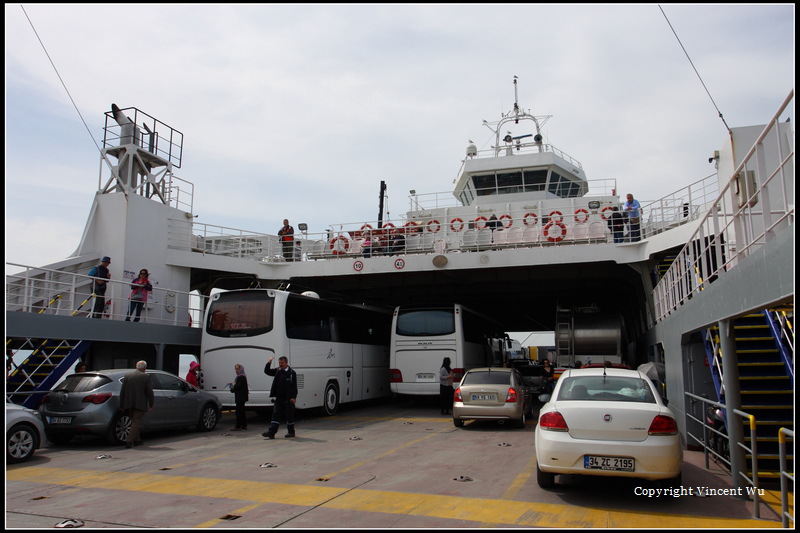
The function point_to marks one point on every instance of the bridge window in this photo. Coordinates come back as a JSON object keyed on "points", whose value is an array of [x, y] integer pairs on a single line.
{"points": [[535, 180], [485, 185], [509, 182], [562, 186]]}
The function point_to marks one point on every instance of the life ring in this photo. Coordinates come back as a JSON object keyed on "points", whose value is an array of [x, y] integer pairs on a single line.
{"points": [[525, 219], [547, 228], [510, 221], [480, 218], [434, 221], [335, 249], [366, 226], [460, 224], [388, 225], [560, 216], [603, 212], [585, 216]]}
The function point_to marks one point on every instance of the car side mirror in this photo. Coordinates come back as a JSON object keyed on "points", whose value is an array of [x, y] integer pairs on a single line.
{"points": [[544, 398]]}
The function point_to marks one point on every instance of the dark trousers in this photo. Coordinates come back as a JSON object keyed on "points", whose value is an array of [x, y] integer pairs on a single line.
{"points": [[241, 417], [136, 422], [99, 306], [135, 307], [288, 250], [445, 398], [280, 410]]}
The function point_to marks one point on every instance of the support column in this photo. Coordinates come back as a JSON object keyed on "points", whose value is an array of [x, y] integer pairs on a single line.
{"points": [[733, 400]]}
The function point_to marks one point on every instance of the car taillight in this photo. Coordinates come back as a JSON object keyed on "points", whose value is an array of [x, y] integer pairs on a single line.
{"points": [[512, 396], [97, 398], [395, 376], [553, 421], [457, 395], [663, 425], [458, 373]]}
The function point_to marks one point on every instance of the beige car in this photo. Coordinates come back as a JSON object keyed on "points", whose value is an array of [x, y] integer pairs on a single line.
{"points": [[492, 394]]}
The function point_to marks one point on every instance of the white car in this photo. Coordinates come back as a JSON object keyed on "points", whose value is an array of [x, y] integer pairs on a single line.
{"points": [[24, 433], [607, 422]]}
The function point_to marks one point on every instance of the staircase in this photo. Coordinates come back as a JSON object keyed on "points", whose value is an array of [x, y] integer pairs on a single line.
{"points": [[766, 384], [49, 360]]}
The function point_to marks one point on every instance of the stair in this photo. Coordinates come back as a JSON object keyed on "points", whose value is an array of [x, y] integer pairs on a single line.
{"points": [[50, 360]]}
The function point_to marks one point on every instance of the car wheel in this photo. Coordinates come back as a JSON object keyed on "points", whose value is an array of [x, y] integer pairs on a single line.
{"points": [[58, 438], [21, 442], [546, 480], [331, 398], [458, 423], [521, 421], [119, 430], [208, 418]]}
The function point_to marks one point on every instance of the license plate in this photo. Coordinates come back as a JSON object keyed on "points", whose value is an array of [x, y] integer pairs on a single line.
{"points": [[598, 462], [425, 377], [60, 419], [484, 397]]}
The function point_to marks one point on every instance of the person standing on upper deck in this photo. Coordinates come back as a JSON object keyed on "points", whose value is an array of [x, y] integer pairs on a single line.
{"points": [[286, 233], [633, 212], [101, 276]]}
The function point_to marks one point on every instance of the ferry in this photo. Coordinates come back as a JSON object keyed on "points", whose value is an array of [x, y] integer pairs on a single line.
{"points": [[524, 237]]}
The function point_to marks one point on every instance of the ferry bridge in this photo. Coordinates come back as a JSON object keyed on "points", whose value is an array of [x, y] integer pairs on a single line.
{"points": [[712, 253]]}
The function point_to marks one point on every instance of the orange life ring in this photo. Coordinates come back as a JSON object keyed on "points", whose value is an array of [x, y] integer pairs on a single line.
{"points": [[334, 249], [585, 217], [480, 218], [434, 221], [551, 238], [510, 220], [460, 224], [525, 219], [603, 212], [560, 216]]}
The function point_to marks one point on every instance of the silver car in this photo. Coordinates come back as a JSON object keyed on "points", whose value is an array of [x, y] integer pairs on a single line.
{"points": [[492, 394], [88, 404], [24, 433]]}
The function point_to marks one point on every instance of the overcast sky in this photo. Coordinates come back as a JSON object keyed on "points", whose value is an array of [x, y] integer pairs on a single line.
{"points": [[298, 112]]}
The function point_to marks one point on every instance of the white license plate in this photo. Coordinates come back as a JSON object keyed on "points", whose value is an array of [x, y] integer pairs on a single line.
{"points": [[484, 397], [598, 462], [425, 377], [60, 419]]}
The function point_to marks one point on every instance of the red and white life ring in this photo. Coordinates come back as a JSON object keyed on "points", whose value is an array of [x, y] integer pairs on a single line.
{"points": [[483, 218], [366, 227], [525, 219], [410, 225], [510, 221], [603, 212], [460, 224], [560, 216], [585, 216], [335, 249], [553, 238], [435, 227], [388, 225]]}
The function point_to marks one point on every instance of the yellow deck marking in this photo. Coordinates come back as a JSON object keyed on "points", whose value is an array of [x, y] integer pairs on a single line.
{"points": [[453, 507]]}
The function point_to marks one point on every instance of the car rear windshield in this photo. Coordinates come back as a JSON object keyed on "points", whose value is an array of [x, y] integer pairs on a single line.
{"points": [[82, 382], [606, 388], [487, 378]]}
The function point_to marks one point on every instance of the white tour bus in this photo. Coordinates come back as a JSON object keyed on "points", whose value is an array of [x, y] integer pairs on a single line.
{"points": [[340, 352], [423, 335]]}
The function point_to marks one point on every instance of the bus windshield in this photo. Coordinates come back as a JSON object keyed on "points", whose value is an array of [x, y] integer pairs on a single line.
{"points": [[240, 314], [425, 322]]}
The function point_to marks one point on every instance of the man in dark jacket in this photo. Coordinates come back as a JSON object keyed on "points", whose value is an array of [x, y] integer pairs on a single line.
{"points": [[284, 390], [137, 396], [100, 274], [616, 224]]}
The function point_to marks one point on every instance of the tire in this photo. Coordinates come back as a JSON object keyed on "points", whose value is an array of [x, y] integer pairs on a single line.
{"points": [[21, 442], [119, 429], [458, 423], [208, 417], [331, 399], [521, 422], [546, 480]]}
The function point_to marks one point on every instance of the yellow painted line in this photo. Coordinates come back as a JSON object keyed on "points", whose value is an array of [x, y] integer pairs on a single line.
{"points": [[503, 512]]}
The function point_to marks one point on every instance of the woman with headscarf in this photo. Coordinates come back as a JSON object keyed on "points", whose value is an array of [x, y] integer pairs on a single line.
{"points": [[240, 391], [446, 386]]}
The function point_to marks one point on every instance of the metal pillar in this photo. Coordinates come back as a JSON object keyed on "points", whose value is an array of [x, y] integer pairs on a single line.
{"points": [[733, 400]]}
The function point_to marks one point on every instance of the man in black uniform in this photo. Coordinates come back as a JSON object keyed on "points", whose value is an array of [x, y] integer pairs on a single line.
{"points": [[284, 390]]}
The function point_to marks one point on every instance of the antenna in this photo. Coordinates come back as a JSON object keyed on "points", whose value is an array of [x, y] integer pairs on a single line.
{"points": [[516, 106]]}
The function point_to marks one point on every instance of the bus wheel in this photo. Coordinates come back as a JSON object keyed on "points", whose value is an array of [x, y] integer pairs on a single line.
{"points": [[331, 399]]}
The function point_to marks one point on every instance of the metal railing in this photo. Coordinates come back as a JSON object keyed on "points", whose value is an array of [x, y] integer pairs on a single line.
{"points": [[680, 207], [55, 292], [753, 451], [754, 205], [786, 476]]}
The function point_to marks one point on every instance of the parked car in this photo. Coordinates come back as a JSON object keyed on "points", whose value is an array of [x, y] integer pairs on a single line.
{"points": [[607, 422], [88, 403], [613, 365], [24, 433], [534, 377], [492, 394]]}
